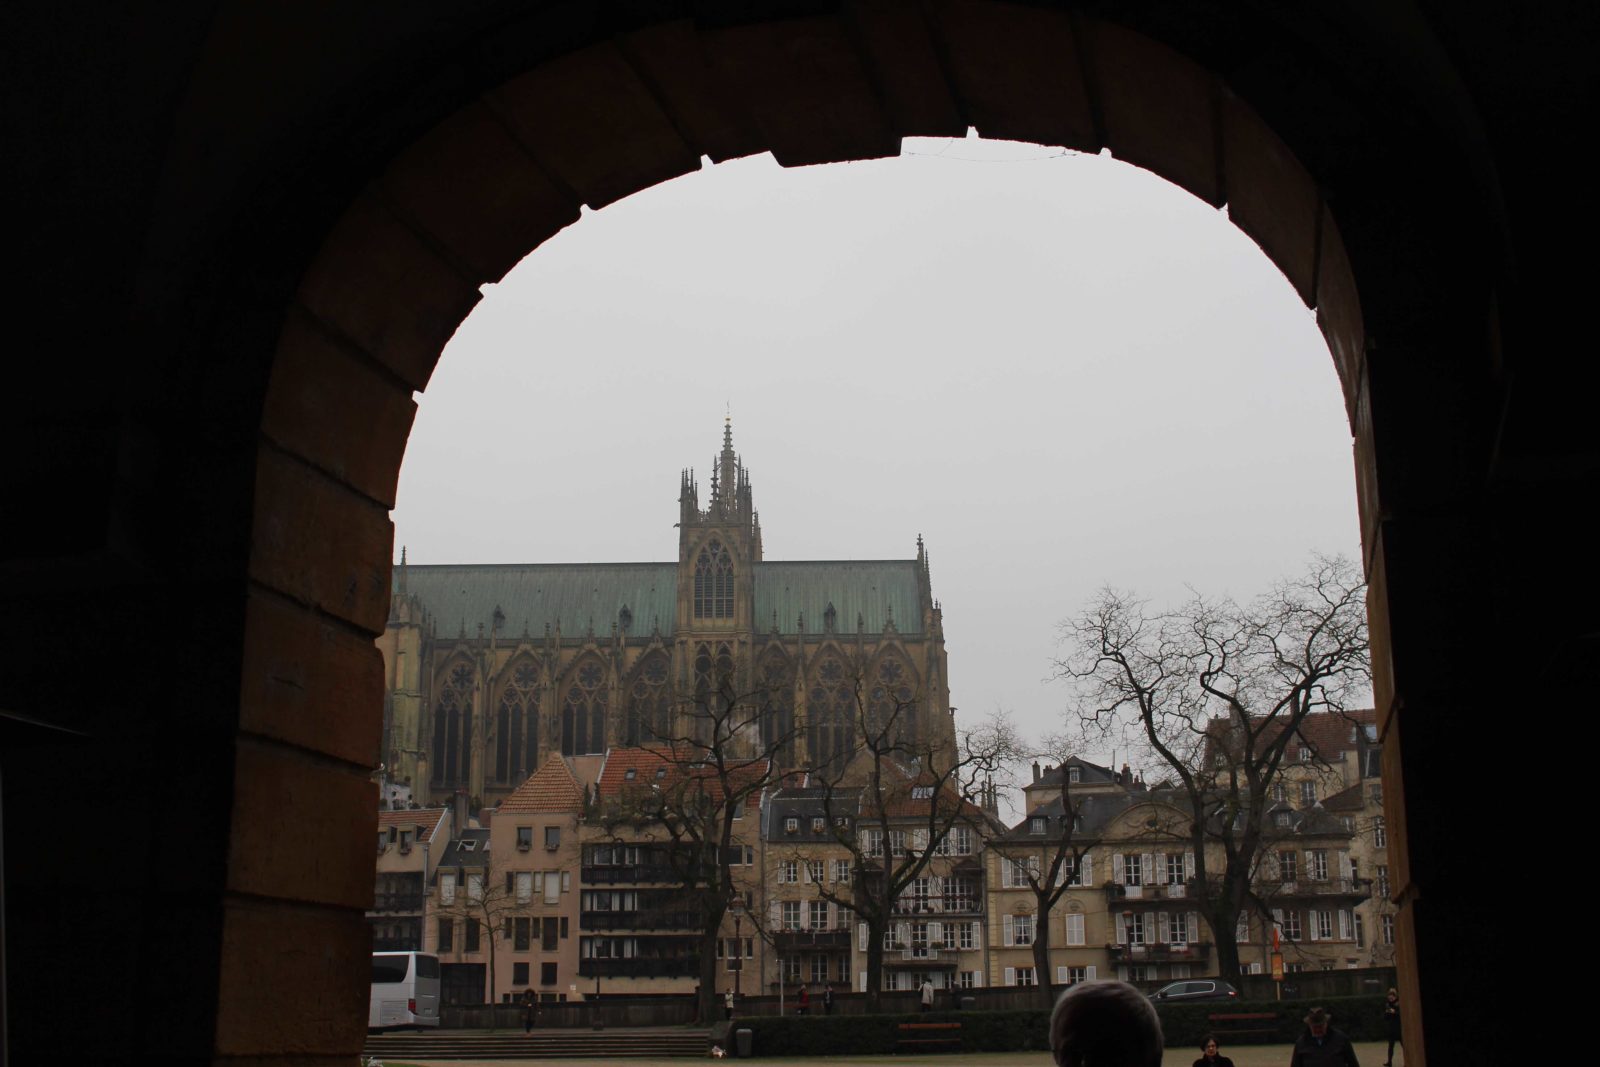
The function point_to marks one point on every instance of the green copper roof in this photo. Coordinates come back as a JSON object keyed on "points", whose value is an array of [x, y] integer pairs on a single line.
{"points": [[577, 595], [461, 597], [871, 589]]}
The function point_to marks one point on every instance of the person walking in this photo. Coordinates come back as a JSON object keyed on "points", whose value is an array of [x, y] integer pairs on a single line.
{"points": [[827, 1000], [1321, 1045], [1210, 1054], [927, 994], [1391, 1024], [804, 1002], [530, 1006], [727, 1004]]}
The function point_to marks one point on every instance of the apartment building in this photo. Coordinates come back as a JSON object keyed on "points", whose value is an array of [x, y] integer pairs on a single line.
{"points": [[410, 842]]}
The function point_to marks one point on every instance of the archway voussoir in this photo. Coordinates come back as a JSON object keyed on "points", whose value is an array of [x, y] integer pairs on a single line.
{"points": [[320, 543], [1339, 313], [1017, 72], [904, 61], [336, 411], [378, 284], [305, 679], [806, 85], [672, 58], [478, 193], [294, 981], [1270, 195], [593, 124], [1369, 503], [1159, 109], [302, 828]]}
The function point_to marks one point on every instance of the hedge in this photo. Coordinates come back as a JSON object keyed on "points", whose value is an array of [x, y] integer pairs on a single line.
{"points": [[1183, 1025]]}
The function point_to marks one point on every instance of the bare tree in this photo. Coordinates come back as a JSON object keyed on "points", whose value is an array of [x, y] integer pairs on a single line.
{"points": [[894, 805], [718, 758], [1046, 865], [1218, 691]]}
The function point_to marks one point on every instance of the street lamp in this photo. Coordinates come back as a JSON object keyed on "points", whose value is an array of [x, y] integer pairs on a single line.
{"points": [[736, 905]]}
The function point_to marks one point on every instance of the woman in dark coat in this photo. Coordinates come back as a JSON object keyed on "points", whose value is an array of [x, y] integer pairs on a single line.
{"points": [[1210, 1056], [1391, 1024]]}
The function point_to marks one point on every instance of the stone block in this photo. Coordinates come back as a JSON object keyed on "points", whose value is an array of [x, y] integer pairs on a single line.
{"points": [[302, 828], [903, 63], [476, 191], [310, 682], [319, 542], [593, 124], [294, 982], [381, 287], [1017, 72], [337, 411], [1338, 306], [807, 87], [1160, 109], [671, 59], [1270, 195]]}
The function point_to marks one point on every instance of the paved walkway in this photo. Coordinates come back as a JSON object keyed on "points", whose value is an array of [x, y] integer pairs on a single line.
{"points": [[1369, 1052]]}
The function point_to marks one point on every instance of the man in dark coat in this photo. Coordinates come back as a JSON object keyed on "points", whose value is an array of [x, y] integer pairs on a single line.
{"points": [[1321, 1045]]}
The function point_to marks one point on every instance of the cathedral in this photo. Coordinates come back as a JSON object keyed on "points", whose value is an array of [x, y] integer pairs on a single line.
{"points": [[490, 668]]}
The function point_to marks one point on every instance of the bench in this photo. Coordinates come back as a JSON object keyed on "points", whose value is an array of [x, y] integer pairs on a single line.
{"points": [[1219, 1018], [928, 1037]]}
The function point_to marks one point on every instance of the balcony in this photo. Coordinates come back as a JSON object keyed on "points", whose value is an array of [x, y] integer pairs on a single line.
{"points": [[631, 875], [398, 902], [814, 940], [639, 920], [935, 906], [1125, 894], [1357, 888], [641, 967], [1192, 952]]}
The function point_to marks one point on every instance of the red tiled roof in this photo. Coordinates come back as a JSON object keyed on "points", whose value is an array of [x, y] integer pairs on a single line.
{"points": [[668, 766], [552, 788], [1327, 732], [426, 820]]}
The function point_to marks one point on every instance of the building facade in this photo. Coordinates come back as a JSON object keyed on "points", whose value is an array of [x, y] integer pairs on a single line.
{"points": [[491, 668]]}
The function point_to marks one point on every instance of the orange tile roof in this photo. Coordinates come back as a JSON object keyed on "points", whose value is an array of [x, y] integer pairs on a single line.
{"points": [[552, 788], [663, 765], [425, 819]]}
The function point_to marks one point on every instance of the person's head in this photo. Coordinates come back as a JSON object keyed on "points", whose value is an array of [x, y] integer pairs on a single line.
{"points": [[1317, 1021], [1105, 1024], [1209, 1046], [1394, 994]]}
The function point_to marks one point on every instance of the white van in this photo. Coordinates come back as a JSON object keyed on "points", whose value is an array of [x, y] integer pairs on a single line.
{"points": [[405, 991]]}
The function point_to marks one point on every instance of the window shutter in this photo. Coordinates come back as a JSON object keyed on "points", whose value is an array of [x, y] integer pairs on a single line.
{"points": [[1061, 871], [1344, 924], [1033, 865], [1008, 936], [1061, 976], [775, 914], [1146, 865], [1161, 868], [902, 934], [1088, 870], [1121, 928], [1163, 928], [863, 981], [1117, 868], [1011, 976], [805, 873], [1344, 866], [861, 937], [1309, 867], [936, 932], [919, 840], [936, 887], [1188, 864], [1088, 973], [833, 915], [1194, 927], [1313, 932]]}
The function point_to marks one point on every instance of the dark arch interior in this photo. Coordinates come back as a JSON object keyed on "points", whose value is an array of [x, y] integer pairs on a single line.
{"points": [[248, 233]]}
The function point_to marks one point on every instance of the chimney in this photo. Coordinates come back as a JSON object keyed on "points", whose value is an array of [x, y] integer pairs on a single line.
{"points": [[1036, 770]]}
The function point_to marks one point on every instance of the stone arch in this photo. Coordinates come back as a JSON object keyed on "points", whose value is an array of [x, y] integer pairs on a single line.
{"points": [[612, 107]]}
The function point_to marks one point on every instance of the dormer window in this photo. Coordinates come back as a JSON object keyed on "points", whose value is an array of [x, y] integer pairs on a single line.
{"points": [[1036, 825], [1072, 775], [818, 824], [1283, 820], [791, 825], [630, 774], [661, 772], [467, 844], [1305, 753], [922, 792]]}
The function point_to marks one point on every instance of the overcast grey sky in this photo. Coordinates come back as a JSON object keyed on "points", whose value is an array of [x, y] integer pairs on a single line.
{"points": [[1060, 370]]}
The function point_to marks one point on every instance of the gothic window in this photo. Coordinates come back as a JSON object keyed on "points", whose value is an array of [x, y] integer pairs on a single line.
{"points": [[583, 714], [517, 723], [452, 727], [713, 677], [776, 692], [650, 701], [890, 700], [713, 583], [830, 714]]}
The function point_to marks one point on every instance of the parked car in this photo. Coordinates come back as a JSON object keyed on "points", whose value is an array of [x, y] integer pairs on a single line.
{"points": [[1196, 989]]}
